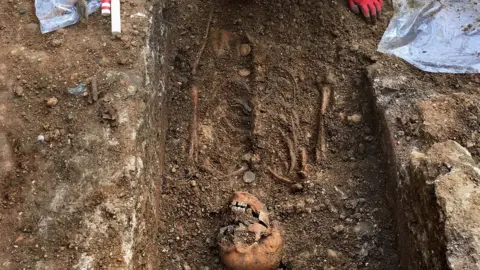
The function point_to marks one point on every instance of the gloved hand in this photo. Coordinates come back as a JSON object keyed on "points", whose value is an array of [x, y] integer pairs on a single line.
{"points": [[371, 9]]}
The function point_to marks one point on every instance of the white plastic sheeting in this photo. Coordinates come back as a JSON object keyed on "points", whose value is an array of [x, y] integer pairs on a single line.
{"points": [[56, 14], [435, 35]]}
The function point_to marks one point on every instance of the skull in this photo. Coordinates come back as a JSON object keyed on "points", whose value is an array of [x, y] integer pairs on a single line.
{"points": [[250, 241]]}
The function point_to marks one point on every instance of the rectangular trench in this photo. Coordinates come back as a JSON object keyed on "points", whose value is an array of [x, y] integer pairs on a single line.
{"points": [[260, 72], [248, 116]]}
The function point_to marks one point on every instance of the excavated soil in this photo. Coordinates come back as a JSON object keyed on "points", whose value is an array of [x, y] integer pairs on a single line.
{"points": [[259, 84], [83, 180]]}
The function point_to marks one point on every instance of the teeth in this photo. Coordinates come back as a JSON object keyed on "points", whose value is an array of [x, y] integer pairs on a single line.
{"points": [[240, 204], [237, 208]]}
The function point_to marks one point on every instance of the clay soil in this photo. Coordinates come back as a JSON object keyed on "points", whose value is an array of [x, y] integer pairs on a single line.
{"points": [[43, 192], [259, 81], [258, 107]]}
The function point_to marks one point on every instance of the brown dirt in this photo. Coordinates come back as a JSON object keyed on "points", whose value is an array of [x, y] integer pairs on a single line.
{"points": [[49, 189], [251, 114], [433, 117], [82, 195]]}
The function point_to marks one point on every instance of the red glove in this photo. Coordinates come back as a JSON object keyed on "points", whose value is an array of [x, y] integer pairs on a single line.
{"points": [[371, 9]]}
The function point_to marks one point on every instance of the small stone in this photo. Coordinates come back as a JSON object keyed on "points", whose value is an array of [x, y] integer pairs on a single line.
{"points": [[339, 228], [310, 201], [61, 31], [255, 158], [245, 49], [362, 228], [123, 61], [18, 91], [300, 207], [355, 118], [330, 77], [336, 33], [78, 90], [57, 42], [248, 177], [354, 47], [174, 169], [71, 117], [41, 138], [361, 149], [51, 102], [193, 183], [351, 204], [332, 253], [283, 118], [186, 267], [289, 208], [21, 11], [247, 157], [244, 72], [364, 251], [297, 187]]}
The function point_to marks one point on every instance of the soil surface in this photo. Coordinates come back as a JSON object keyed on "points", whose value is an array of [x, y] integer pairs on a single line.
{"points": [[51, 141], [77, 183], [259, 83]]}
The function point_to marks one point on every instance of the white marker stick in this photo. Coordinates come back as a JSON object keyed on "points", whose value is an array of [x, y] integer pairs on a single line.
{"points": [[116, 20]]}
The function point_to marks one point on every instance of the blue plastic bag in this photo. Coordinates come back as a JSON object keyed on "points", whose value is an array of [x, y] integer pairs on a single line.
{"points": [[56, 14]]}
